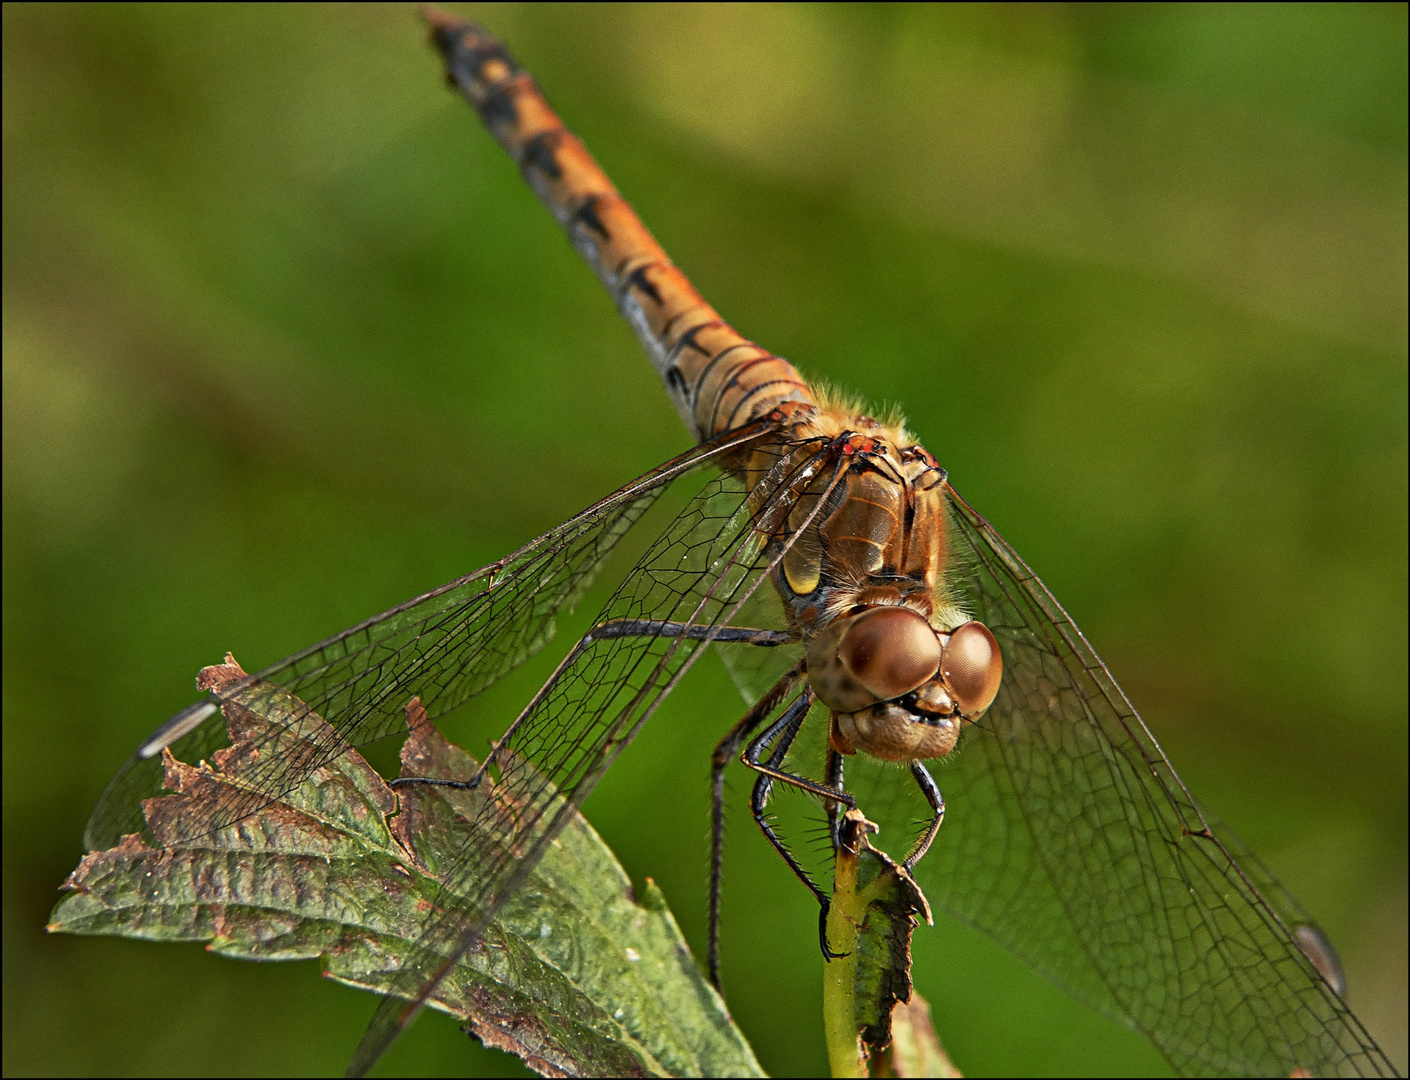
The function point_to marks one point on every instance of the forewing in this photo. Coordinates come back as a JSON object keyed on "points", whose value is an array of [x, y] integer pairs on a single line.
{"points": [[1070, 839], [755, 670], [444, 646], [697, 575]]}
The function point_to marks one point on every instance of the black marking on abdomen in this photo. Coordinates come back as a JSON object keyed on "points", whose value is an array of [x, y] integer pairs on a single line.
{"points": [[731, 381], [670, 323], [705, 371], [587, 215], [471, 59], [676, 381], [637, 278], [762, 386], [688, 339], [499, 106], [540, 153]]}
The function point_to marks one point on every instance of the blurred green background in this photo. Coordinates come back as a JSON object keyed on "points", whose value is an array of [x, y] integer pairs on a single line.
{"points": [[287, 341]]}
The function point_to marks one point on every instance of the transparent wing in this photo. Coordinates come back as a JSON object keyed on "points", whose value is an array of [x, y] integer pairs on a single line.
{"points": [[444, 646], [753, 671], [1070, 839], [696, 577]]}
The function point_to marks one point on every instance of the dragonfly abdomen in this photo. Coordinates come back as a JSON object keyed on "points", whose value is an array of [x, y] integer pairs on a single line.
{"points": [[717, 378]]}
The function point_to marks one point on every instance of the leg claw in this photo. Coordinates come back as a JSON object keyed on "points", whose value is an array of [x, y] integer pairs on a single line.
{"points": [[827, 952]]}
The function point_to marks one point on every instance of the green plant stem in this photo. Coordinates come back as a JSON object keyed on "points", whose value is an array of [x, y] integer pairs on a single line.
{"points": [[845, 1053]]}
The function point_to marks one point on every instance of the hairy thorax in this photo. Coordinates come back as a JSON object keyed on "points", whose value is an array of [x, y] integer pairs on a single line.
{"points": [[857, 521]]}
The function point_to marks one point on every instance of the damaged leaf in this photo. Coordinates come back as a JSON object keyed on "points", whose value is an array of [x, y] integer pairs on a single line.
{"points": [[577, 976], [876, 906]]}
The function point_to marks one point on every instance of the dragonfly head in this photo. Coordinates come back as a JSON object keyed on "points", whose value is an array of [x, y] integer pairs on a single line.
{"points": [[878, 654], [897, 687]]}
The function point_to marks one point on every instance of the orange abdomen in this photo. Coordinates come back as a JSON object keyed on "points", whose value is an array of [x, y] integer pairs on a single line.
{"points": [[717, 378]]}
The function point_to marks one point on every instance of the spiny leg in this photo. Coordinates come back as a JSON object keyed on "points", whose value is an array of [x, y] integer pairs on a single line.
{"points": [[690, 631], [834, 774], [754, 752], [937, 803], [785, 729], [724, 751]]}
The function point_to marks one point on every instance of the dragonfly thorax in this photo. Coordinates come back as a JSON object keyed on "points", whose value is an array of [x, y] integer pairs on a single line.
{"points": [[861, 572]]}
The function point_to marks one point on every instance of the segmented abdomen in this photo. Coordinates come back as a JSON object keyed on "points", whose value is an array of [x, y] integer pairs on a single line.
{"points": [[717, 378]]}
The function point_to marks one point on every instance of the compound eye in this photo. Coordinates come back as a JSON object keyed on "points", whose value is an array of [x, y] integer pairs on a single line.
{"points": [[890, 651], [972, 667]]}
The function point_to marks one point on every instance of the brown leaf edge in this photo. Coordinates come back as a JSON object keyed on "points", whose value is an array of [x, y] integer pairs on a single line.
{"points": [[502, 1020]]}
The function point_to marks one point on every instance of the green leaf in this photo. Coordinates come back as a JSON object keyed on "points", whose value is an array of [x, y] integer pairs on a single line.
{"points": [[876, 906], [576, 976]]}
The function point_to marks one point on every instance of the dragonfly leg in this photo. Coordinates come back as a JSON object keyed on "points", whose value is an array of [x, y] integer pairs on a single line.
{"points": [[834, 809], [724, 752], [619, 628], [690, 631], [753, 755], [937, 803], [429, 781], [785, 730]]}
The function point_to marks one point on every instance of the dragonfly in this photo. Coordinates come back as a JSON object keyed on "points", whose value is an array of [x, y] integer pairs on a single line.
{"points": [[896, 652]]}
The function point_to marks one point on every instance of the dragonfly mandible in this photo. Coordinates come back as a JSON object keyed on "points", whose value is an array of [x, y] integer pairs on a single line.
{"points": [[867, 607]]}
